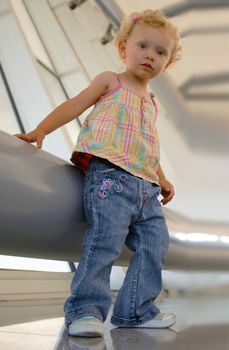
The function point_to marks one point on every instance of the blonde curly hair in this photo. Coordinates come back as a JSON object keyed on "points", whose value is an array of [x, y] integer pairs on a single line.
{"points": [[153, 18]]}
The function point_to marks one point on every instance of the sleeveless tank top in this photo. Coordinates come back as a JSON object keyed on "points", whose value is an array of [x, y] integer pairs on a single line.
{"points": [[121, 128]]}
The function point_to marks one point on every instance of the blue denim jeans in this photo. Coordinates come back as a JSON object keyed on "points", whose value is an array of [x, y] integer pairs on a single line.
{"points": [[120, 209]]}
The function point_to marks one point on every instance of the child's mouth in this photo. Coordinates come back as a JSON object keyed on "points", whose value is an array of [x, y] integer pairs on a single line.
{"points": [[147, 65]]}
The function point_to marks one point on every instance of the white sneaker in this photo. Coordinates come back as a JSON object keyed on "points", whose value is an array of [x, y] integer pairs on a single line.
{"points": [[159, 321], [83, 343], [87, 326]]}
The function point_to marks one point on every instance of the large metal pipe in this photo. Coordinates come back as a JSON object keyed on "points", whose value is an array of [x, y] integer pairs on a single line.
{"points": [[41, 212]]}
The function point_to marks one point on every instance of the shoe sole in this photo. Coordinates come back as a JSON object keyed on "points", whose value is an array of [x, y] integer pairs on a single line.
{"points": [[86, 334], [158, 324], [86, 331], [152, 324]]}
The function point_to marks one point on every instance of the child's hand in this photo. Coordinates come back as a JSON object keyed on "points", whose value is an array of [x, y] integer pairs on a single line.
{"points": [[36, 135], [167, 191]]}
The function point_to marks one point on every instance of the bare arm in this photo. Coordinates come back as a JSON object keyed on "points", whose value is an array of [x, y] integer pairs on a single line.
{"points": [[160, 173], [68, 110], [167, 190]]}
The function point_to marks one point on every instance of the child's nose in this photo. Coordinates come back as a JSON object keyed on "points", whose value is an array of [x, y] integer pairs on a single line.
{"points": [[150, 56]]}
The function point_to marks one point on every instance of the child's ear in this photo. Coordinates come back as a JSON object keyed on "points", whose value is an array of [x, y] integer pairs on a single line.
{"points": [[122, 49], [169, 63]]}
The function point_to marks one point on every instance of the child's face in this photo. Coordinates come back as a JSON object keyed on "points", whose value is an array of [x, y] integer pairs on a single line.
{"points": [[147, 51]]}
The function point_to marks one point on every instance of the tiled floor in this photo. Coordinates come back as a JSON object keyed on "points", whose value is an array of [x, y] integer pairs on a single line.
{"points": [[202, 323]]}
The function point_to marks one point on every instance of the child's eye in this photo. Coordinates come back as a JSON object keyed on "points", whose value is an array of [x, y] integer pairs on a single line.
{"points": [[161, 52], [142, 45]]}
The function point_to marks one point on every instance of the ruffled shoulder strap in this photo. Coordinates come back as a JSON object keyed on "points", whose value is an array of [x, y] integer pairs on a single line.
{"points": [[155, 105]]}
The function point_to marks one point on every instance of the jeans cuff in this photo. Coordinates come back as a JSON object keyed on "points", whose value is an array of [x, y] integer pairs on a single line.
{"points": [[118, 320], [87, 311]]}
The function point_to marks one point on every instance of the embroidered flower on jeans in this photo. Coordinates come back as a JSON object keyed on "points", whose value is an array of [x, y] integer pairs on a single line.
{"points": [[111, 187]]}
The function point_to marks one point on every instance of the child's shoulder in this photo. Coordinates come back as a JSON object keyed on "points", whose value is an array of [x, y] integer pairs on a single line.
{"points": [[109, 79], [108, 75]]}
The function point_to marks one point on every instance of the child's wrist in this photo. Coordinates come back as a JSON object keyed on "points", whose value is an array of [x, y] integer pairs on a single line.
{"points": [[41, 130]]}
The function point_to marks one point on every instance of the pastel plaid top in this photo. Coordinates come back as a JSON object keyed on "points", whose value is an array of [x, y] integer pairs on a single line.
{"points": [[121, 128]]}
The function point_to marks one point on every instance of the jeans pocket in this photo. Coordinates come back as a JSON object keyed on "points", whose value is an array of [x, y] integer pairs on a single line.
{"points": [[109, 182]]}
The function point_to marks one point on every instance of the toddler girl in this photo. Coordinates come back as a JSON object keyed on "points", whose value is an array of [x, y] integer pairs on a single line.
{"points": [[118, 149]]}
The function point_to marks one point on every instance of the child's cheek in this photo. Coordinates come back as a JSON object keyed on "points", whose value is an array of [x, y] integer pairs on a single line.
{"points": [[132, 57]]}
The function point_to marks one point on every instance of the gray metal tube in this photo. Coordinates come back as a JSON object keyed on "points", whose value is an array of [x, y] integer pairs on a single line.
{"points": [[41, 212]]}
